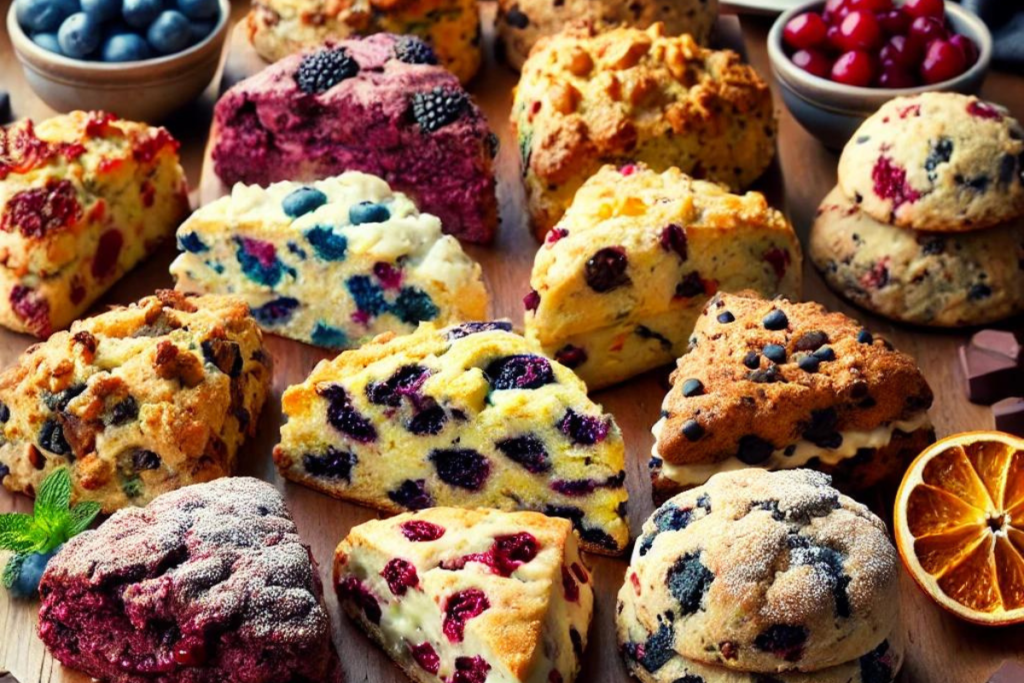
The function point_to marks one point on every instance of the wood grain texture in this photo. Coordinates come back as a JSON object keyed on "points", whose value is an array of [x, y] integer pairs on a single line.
{"points": [[941, 649]]}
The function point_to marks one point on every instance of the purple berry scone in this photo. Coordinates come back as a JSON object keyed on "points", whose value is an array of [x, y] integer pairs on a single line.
{"points": [[206, 584], [364, 105]]}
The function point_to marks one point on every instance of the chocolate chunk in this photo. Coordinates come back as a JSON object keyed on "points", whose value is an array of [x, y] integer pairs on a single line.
{"points": [[1009, 418], [989, 377], [1000, 342]]}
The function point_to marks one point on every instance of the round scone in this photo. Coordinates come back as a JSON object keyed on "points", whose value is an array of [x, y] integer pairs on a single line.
{"points": [[938, 279], [767, 572], [937, 161]]}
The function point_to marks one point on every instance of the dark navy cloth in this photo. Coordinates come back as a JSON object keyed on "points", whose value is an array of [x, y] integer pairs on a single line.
{"points": [[1005, 18]]}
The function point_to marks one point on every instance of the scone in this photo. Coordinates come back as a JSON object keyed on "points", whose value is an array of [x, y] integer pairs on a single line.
{"points": [[467, 416], [587, 98], [938, 279], [621, 279], [466, 595], [204, 585], [521, 23], [762, 572], [83, 198], [364, 105], [448, 29], [137, 401], [938, 162], [333, 263], [781, 385]]}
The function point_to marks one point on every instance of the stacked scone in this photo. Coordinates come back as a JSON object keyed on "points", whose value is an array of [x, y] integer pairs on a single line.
{"points": [[762, 576], [927, 223]]}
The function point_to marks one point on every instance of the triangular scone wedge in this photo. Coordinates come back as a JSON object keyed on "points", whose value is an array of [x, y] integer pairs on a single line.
{"points": [[465, 596], [621, 279], [780, 385], [468, 416]]}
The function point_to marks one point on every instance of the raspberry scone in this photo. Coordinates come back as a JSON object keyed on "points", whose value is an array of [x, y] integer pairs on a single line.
{"points": [[136, 401], [621, 279], [333, 263], [464, 596], [588, 97], [468, 416], [364, 105], [83, 198], [762, 573], [780, 385], [207, 584]]}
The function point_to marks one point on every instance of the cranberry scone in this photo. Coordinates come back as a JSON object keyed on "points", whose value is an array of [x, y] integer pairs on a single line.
{"points": [[137, 401], [468, 416], [364, 105], [333, 263], [781, 385], [464, 596], [83, 198], [621, 279], [588, 97], [207, 584]]}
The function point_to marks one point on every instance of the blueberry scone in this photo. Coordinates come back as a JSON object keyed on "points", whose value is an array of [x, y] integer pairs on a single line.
{"points": [[333, 263], [762, 572], [83, 198], [137, 401], [445, 31], [467, 596], [469, 416], [941, 279], [207, 584], [521, 23], [621, 279], [937, 161], [587, 98], [781, 385]]}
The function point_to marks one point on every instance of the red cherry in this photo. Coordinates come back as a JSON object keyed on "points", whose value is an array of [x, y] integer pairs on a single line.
{"points": [[854, 68], [859, 31], [804, 31], [925, 8], [902, 52], [813, 62], [835, 10], [895, 76], [894, 22], [924, 30], [942, 61], [966, 46], [871, 5], [832, 34]]}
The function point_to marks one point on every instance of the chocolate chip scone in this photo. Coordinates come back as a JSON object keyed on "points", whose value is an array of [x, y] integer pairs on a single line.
{"points": [[468, 416], [764, 572], [333, 263], [587, 98], [621, 279], [207, 584], [461, 596], [780, 385], [939, 279], [137, 401], [938, 162]]}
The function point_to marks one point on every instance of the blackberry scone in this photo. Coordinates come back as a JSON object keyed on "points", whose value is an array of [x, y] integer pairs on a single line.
{"points": [[468, 416], [333, 263], [465, 596], [83, 198], [364, 105], [137, 401], [621, 279], [780, 385], [207, 584], [587, 98]]}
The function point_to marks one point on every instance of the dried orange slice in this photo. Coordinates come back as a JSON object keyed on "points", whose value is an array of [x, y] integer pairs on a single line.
{"points": [[959, 525]]}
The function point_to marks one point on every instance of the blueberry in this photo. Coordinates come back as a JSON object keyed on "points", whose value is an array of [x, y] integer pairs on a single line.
{"points": [[5, 413], [328, 336], [673, 238], [102, 10], [865, 337], [145, 460], [414, 306], [811, 341], [258, 260], [691, 285], [368, 212], [726, 317], [122, 412], [606, 270], [672, 518], [198, 9], [767, 376], [979, 292], [127, 47], [59, 401], [332, 464], [51, 438], [44, 16], [693, 387], [527, 451], [752, 360], [328, 245], [369, 298], [825, 354], [688, 581], [141, 13], [774, 353], [47, 41], [429, 420], [406, 381], [79, 35], [198, 30], [26, 584], [876, 666], [412, 494], [942, 150], [191, 242], [645, 332], [522, 371], [809, 363], [583, 430], [754, 450], [783, 641], [776, 320], [656, 652], [303, 200], [276, 312], [461, 467], [466, 329], [830, 563], [822, 429], [692, 430], [571, 356], [343, 416], [169, 33]]}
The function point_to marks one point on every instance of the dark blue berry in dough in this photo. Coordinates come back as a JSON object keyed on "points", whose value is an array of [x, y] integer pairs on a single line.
{"points": [[328, 336], [691, 285], [754, 450], [429, 420], [343, 416], [688, 581], [303, 200], [368, 212], [123, 411], [328, 245], [752, 360], [876, 666], [577, 642], [726, 317], [825, 354], [571, 356], [406, 381], [5, 413], [276, 312], [332, 464], [822, 429], [583, 429], [865, 337], [774, 353], [466, 329], [776, 320], [769, 375], [524, 371], [588, 534], [414, 306], [412, 494], [145, 460], [51, 438], [811, 341], [527, 451], [252, 259], [461, 467], [645, 332], [783, 640], [658, 649], [673, 238], [979, 292], [369, 298], [59, 401], [191, 243], [693, 387], [516, 18], [692, 430], [830, 563], [606, 270], [809, 363], [941, 151]]}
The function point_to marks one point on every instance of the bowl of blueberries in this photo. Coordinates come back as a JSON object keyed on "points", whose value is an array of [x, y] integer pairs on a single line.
{"points": [[140, 59], [837, 62]]}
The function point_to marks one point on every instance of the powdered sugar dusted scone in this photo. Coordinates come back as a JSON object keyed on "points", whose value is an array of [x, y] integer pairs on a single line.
{"points": [[621, 279], [333, 263], [137, 401], [937, 161], [587, 98], [470, 595], [364, 105], [207, 584], [766, 572], [940, 279], [781, 385], [468, 416]]}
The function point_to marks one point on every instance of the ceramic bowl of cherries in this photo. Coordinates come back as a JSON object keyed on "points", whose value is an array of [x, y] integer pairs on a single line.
{"points": [[838, 61]]}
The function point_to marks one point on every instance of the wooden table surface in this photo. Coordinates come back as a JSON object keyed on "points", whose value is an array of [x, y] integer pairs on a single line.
{"points": [[941, 649]]}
